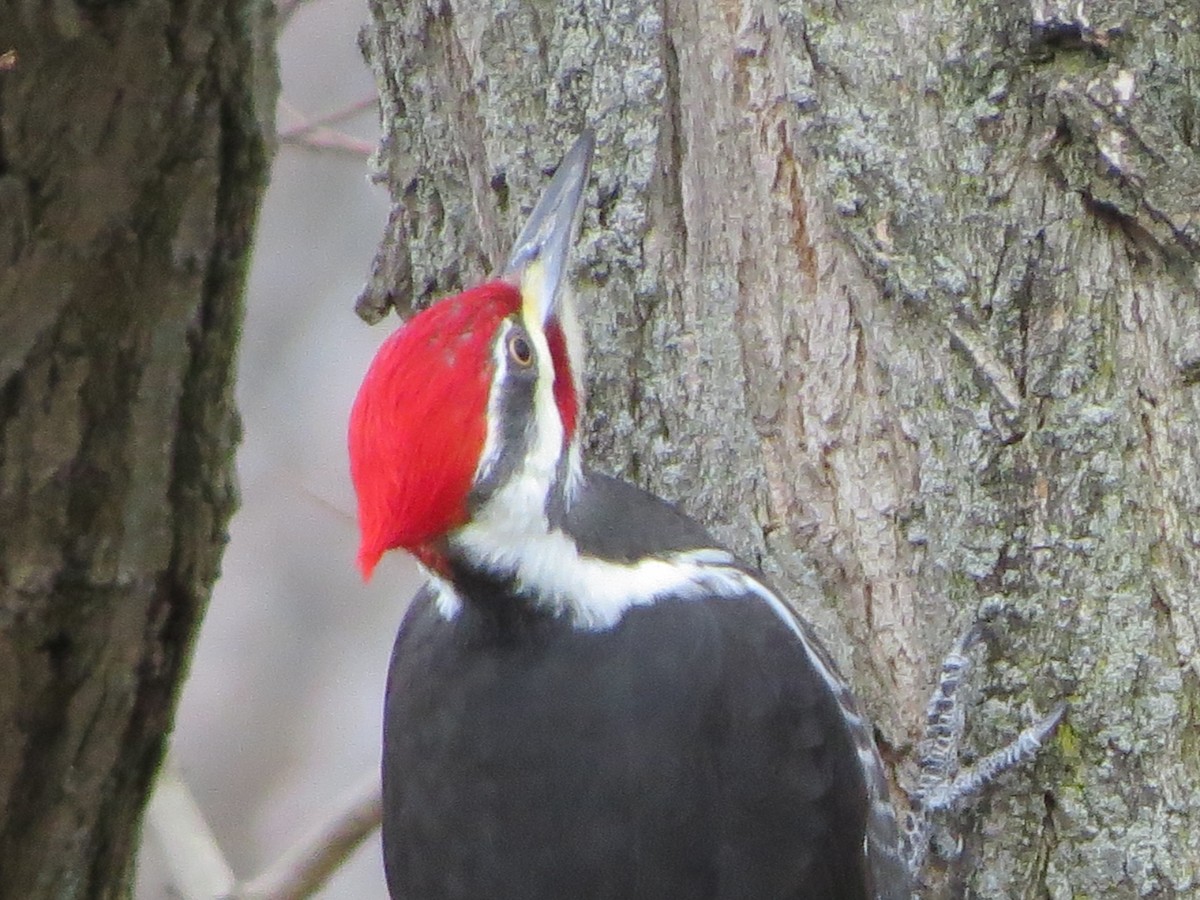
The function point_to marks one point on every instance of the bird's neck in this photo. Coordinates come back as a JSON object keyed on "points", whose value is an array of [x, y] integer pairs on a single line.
{"points": [[492, 606], [514, 538], [507, 563]]}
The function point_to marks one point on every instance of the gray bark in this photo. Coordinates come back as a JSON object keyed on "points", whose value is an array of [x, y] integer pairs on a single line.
{"points": [[901, 300], [134, 143]]}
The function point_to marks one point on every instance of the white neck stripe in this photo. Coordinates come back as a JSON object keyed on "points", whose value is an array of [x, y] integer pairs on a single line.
{"points": [[596, 593]]}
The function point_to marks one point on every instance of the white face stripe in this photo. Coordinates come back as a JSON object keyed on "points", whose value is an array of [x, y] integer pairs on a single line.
{"points": [[547, 445], [490, 455], [515, 513], [574, 470]]}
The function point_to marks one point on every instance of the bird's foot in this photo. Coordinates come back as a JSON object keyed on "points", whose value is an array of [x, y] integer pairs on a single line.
{"points": [[941, 785]]}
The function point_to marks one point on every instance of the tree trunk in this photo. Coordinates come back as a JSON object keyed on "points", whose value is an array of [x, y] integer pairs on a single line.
{"points": [[134, 143], [902, 302]]}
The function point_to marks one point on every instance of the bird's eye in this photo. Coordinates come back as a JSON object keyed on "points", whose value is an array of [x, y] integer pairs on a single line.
{"points": [[519, 350]]}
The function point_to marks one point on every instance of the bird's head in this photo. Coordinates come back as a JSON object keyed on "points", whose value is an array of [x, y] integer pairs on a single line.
{"points": [[469, 411]]}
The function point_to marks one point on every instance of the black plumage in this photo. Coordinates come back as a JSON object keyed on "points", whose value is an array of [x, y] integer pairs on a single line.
{"points": [[692, 750]]}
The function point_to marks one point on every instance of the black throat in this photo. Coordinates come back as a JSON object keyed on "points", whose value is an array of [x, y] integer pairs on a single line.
{"points": [[494, 610]]}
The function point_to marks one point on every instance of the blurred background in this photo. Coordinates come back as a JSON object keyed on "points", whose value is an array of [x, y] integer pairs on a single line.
{"points": [[280, 715]]}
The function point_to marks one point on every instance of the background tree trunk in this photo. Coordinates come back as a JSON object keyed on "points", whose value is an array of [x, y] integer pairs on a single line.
{"points": [[902, 301], [134, 142]]}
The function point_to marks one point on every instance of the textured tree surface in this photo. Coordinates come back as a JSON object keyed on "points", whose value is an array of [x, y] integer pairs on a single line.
{"points": [[133, 150], [902, 300]]}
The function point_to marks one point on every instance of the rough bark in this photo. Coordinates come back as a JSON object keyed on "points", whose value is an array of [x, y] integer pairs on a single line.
{"points": [[134, 142], [901, 299]]}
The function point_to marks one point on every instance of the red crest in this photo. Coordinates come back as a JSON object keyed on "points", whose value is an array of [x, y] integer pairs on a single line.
{"points": [[420, 420]]}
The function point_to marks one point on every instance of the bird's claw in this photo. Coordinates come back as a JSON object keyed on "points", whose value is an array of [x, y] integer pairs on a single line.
{"points": [[941, 786]]}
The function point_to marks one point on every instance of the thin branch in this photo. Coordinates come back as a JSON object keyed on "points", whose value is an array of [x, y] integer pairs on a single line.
{"points": [[198, 870], [301, 871], [196, 867], [315, 134], [327, 139], [308, 125]]}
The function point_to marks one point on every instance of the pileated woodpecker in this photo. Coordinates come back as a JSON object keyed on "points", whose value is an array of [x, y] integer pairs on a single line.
{"points": [[590, 698]]}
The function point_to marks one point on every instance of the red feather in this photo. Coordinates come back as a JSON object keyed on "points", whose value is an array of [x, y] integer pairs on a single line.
{"points": [[419, 423], [564, 383]]}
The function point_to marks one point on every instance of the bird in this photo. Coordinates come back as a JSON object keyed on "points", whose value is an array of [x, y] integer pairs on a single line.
{"points": [[590, 697]]}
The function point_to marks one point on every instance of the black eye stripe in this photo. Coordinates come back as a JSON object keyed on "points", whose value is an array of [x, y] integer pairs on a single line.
{"points": [[511, 412]]}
